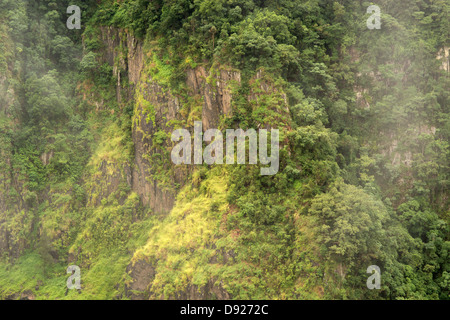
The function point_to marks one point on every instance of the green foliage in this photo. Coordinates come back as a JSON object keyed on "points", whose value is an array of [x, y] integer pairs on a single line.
{"points": [[364, 151]]}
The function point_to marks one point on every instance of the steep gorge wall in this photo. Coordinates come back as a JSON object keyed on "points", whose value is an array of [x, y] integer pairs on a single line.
{"points": [[157, 108], [206, 95]]}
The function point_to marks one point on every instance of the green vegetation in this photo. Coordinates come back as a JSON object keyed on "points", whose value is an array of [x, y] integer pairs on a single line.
{"points": [[364, 149]]}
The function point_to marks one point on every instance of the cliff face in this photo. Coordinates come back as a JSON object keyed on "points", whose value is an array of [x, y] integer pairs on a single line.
{"points": [[125, 55], [86, 176], [205, 95]]}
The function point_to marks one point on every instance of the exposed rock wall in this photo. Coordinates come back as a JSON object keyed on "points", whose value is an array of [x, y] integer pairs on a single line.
{"points": [[444, 56], [216, 94], [212, 88]]}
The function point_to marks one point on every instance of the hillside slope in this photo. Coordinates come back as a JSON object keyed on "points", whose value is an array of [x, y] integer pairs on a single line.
{"points": [[87, 179]]}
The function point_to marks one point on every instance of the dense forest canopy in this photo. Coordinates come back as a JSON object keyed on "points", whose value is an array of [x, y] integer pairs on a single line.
{"points": [[86, 179]]}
